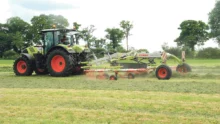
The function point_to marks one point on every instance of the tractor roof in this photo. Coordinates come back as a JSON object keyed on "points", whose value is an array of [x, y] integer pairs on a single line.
{"points": [[52, 30]]}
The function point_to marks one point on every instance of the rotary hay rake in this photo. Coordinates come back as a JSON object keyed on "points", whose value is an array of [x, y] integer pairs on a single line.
{"points": [[132, 64]]}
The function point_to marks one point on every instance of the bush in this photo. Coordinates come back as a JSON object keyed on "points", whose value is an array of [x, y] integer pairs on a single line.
{"points": [[99, 52], [209, 53], [173, 50], [143, 50], [190, 54], [10, 54], [177, 51]]}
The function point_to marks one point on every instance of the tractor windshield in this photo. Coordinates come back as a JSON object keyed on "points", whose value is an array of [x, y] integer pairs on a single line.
{"points": [[70, 38]]}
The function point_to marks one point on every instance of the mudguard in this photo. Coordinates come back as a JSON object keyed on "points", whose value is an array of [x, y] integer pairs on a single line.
{"points": [[27, 56]]}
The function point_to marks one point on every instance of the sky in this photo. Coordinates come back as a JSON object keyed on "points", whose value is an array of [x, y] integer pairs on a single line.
{"points": [[155, 21]]}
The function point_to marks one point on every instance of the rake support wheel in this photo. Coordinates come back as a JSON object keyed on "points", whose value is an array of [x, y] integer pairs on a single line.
{"points": [[131, 76], [163, 72], [184, 68], [112, 77]]}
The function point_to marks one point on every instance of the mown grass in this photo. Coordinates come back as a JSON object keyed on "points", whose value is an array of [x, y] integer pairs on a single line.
{"points": [[104, 106], [7, 63], [188, 98], [179, 85]]}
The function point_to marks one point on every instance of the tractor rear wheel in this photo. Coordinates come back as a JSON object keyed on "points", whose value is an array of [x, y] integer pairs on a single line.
{"points": [[163, 72], [23, 67], [184, 68], [59, 63]]}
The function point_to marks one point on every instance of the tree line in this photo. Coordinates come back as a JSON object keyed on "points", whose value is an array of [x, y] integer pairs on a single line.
{"points": [[16, 34], [198, 32]]}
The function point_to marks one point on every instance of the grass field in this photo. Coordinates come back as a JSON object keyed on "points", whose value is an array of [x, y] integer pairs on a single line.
{"points": [[190, 98]]}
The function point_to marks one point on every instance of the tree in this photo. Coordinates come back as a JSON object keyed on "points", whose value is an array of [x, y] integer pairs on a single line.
{"points": [[5, 42], [99, 43], [58, 20], [115, 35], [87, 34], [214, 22], [16, 24], [46, 22], [126, 26], [18, 41], [192, 33]]}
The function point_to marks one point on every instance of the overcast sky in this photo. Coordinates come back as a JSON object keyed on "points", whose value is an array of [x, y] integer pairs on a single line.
{"points": [[155, 21]]}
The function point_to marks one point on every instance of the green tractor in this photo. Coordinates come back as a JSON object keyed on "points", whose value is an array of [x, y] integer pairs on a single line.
{"points": [[56, 56]]}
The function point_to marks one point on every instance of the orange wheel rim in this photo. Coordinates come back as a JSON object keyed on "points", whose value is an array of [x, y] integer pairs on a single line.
{"points": [[58, 63], [112, 78], [21, 67], [162, 72]]}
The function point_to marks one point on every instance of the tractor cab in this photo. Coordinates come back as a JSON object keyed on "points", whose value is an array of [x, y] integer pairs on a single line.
{"points": [[58, 37]]}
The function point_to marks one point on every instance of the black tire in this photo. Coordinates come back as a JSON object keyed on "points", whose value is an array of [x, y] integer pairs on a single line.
{"points": [[106, 76], [23, 67], [163, 72], [81, 70], [59, 63], [77, 70], [98, 76], [184, 68], [41, 71], [131, 76], [170, 71], [112, 77]]}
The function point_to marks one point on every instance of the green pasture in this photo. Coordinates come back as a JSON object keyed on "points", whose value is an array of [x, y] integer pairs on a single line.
{"points": [[185, 98]]}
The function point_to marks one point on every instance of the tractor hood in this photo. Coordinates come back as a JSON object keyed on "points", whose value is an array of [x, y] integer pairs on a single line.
{"points": [[79, 48], [76, 48]]}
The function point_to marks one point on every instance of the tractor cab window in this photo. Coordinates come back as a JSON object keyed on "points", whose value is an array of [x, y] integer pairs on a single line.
{"points": [[73, 37], [48, 38], [56, 38], [65, 39]]}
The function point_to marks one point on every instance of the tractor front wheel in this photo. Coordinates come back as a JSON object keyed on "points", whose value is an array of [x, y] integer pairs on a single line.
{"points": [[163, 72], [59, 63], [23, 67]]}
